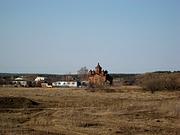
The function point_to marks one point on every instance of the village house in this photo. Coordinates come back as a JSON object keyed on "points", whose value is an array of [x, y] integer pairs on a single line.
{"points": [[38, 79], [66, 84], [23, 82]]}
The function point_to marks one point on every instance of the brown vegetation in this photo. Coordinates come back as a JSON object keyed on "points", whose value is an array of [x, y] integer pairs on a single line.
{"points": [[160, 81], [122, 110]]}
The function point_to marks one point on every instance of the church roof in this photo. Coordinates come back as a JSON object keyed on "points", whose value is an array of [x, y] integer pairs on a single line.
{"points": [[98, 66]]}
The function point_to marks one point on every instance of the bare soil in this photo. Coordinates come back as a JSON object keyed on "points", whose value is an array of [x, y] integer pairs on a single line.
{"points": [[115, 111]]}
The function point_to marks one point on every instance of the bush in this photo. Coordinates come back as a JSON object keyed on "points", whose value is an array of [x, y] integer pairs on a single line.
{"points": [[155, 82], [152, 84]]}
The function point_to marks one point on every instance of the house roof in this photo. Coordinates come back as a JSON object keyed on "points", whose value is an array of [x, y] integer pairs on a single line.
{"points": [[25, 78]]}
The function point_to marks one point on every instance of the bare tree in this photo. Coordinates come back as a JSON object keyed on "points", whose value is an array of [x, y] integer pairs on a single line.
{"points": [[83, 73]]}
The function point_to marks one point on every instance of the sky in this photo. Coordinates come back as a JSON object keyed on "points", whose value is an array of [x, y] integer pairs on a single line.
{"points": [[61, 36]]}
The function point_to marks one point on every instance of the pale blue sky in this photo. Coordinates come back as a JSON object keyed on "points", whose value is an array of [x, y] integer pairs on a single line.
{"points": [[60, 36]]}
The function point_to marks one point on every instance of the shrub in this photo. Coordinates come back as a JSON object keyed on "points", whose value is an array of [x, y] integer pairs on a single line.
{"points": [[155, 82], [152, 84]]}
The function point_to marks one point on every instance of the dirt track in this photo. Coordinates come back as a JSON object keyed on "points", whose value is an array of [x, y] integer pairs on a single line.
{"points": [[126, 111]]}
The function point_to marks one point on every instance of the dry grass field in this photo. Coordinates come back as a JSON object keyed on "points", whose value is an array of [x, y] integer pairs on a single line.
{"points": [[121, 111]]}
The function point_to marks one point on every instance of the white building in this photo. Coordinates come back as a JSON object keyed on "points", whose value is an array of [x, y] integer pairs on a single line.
{"points": [[21, 81], [40, 79], [65, 84]]}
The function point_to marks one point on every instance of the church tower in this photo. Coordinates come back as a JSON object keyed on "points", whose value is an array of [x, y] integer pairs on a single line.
{"points": [[98, 69]]}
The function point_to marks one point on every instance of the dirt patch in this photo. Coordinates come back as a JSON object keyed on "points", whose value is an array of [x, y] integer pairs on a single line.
{"points": [[17, 102]]}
